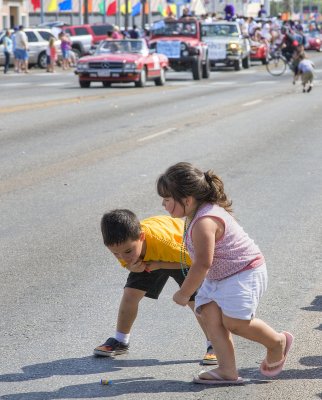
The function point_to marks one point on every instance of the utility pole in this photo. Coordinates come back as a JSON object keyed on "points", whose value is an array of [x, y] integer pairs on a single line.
{"points": [[85, 11], [126, 22]]}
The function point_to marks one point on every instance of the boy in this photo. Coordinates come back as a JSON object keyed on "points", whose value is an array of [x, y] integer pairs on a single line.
{"points": [[151, 251], [305, 69]]}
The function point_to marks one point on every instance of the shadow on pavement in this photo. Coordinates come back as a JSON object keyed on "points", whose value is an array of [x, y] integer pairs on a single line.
{"points": [[316, 305]]}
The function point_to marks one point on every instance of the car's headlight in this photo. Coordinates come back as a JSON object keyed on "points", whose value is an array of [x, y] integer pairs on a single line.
{"points": [[130, 66], [233, 46], [185, 53], [318, 41], [82, 66]]}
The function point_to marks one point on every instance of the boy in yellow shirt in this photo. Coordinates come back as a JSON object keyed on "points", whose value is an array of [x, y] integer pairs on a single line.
{"points": [[152, 251]]}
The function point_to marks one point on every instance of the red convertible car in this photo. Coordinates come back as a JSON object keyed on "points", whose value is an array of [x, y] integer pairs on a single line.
{"points": [[128, 60], [313, 40]]}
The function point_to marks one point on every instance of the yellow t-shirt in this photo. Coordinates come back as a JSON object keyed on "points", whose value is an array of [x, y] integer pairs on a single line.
{"points": [[163, 236]]}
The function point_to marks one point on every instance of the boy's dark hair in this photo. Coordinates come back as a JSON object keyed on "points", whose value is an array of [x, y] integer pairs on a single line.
{"points": [[118, 226]]}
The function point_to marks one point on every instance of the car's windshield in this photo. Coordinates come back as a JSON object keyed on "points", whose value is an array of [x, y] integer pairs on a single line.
{"points": [[220, 30], [121, 46], [174, 28]]}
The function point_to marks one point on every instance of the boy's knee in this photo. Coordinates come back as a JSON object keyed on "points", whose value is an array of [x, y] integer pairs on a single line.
{"points": [[234, 326]]}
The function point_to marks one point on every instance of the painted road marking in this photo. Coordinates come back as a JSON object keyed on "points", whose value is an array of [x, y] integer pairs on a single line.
{"points": [[252, 103], [156, 134]]}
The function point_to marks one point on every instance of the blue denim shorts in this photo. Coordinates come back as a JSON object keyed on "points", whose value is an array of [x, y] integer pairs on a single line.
{"points": [[21, 54]]}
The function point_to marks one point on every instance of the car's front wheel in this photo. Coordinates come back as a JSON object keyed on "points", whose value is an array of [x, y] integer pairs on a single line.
{"points": [[160, 81], [142, 80], [237, 65], [206, 69], [196, 69], [246, 62], [84, 84]]}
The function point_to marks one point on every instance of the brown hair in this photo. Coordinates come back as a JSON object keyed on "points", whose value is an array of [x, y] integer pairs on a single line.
{"points": [[184, 179]]}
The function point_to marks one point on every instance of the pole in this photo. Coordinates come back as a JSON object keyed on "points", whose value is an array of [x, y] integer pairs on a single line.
{"points": [[80, 5], [126, 22], [104, 13], [85, 11], [42, 16]]}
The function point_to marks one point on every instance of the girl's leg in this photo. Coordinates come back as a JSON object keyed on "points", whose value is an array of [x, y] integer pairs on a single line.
{"points": [[221, 340], [258, 331]]}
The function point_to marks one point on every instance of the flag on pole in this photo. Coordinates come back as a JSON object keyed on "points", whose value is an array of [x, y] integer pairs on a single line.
{"points": [[111, 9], [35, 4], [65, 5], [89, 6], [123, 7], [52, 6], [136, 9], [101, 7]]}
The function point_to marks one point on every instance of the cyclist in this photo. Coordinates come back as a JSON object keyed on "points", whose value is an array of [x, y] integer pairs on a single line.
{"points": [[289, 43]]}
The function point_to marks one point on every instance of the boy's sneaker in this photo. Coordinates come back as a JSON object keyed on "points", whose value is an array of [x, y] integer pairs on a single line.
{"points": [[210, 357], [309, 89], [110, 348]]}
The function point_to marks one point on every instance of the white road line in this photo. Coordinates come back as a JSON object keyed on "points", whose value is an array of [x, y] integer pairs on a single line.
{"points": [[251, 103], [15, 84], [156, 134], [225, 83], [264, 82], [53, 84]]}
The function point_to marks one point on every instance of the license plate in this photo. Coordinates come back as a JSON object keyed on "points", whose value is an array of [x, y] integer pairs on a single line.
{"points": [[103, 73], [116, 75]]}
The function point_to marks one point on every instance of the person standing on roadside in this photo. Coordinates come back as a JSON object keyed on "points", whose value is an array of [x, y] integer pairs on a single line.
{"points": [[22, 49], [65, 45], [7, 49]]}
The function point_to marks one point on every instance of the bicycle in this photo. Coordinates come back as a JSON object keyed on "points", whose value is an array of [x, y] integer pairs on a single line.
{"points": [[277, 63]]}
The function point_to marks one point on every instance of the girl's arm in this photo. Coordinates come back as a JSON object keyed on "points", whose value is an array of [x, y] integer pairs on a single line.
{"points": [[204, 238]]}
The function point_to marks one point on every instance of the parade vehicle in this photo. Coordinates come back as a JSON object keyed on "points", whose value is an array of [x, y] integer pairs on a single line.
{"points": [[259, 51], [313, 40], [122, 61], [38, 39], [227, 45], [181, 41]]}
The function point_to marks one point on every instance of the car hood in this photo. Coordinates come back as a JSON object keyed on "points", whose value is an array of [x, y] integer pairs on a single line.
{"points": [[221, 40], [189, 40], [122, 57]]}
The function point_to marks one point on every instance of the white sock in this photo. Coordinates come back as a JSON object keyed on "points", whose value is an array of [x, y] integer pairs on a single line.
{"points": [[122, 337]]}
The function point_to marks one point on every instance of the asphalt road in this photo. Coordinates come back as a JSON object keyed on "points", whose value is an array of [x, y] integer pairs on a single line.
{"points": [[69, 154]]}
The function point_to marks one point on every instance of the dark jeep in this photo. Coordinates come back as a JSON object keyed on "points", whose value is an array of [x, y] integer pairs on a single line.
{"points": [[180, 40]]}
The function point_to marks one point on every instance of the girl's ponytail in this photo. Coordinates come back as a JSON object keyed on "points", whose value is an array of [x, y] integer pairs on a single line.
{"points": [[217, 193]]}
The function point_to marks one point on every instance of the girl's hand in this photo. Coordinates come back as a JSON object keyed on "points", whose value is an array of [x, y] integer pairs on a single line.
{"points": [[180, 298]]}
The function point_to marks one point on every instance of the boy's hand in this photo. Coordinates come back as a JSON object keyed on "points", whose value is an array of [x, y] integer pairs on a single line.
{"points": [[180, 298], [139, 266], [152, 265]]}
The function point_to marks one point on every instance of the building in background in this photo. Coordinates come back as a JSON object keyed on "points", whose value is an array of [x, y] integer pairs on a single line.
{"points": [[13, 13]]}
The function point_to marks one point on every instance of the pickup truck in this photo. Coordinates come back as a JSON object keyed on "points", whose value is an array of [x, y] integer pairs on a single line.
{"points": [[81, 43]]}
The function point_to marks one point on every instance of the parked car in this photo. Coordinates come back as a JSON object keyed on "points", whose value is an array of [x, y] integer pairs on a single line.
{"points": [[227, 45], [38, 39], [97, 31], [124, 61], [181, 41]]}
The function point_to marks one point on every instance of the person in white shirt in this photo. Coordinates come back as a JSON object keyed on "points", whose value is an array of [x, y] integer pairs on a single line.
{"points": [[306, 69], [22, 49]]}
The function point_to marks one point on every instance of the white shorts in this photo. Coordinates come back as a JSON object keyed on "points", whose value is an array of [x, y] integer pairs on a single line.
{"points": [[238, 295]]}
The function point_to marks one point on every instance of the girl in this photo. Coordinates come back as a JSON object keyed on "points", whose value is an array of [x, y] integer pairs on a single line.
{"points": [[227, 267], [52, 54]]}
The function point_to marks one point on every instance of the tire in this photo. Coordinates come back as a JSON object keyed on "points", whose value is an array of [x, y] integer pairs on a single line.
{"points": [[42, 60], [84, 84], [142, 81], [276, 66], [206, 69], [106, 84], [196, 69], [77, 52], [246, 62], [161, 80], [237, 65]]}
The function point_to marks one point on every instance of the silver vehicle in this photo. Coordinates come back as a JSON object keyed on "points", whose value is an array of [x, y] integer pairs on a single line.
{"points": [[37, 43], [226, 44]]}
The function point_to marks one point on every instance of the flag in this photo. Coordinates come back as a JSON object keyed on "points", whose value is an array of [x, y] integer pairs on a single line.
{"points": [[162, 11], [136, 9], [146, 8], [171, 9], [52, 6], [65, 5], [101, 7], [123, 7], [35, 4], [111, 9], [89, 6]]}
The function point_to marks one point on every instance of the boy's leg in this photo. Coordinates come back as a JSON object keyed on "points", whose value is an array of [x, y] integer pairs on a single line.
{"points": [[127, 314]]}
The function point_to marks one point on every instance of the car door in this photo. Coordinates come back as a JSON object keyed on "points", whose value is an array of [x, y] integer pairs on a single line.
{"points": [[34, 47]]}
